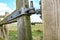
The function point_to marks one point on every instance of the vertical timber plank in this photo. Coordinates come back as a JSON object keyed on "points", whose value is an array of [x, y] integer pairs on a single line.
{"points": [[50, 18], [0, 29], [24, 27], [5, 28], [1, 32], [58, 19]]}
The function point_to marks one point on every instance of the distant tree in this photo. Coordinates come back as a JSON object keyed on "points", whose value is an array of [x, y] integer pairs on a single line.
{"points": [[33, 23]]}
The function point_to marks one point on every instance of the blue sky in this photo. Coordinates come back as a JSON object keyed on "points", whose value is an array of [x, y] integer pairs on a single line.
{"points": [[10, 6], [10, 3]]}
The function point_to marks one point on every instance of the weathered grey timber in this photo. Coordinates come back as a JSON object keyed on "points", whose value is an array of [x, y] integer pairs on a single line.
{"points": [[58, 17], [5, 27], [1, 33], [24, 27], [51, 12]]}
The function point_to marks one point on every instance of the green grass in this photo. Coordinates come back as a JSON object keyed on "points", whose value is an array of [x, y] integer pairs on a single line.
{"points": [[1, 39], [13, 35], [36, 34]]}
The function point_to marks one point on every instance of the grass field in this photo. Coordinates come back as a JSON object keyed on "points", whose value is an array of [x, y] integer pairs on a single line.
{"points": [[37, 33]]}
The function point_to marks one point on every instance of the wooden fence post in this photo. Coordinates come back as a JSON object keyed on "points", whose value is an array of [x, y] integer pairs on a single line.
{"points": [[58, 8], [24, 27], [1, 29], [5, 28], [1, 32], [51, 18]]}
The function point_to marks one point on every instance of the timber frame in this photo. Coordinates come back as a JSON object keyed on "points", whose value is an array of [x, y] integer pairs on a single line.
{"points": [[22, 16]]}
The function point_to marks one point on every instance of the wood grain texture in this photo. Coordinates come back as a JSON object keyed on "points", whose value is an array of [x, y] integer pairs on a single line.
{"points": [[58, 1], [5, 28], [1, 32], [6, 32], [50, 18], [24, 27]]}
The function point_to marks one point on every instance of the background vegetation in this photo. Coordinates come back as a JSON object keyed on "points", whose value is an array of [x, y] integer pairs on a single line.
{"points": [[37, 32]]}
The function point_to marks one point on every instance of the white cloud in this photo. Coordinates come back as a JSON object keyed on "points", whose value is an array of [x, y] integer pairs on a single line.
{"points": [[2, 13], [2, 4], [4, 8], [35, 18]]}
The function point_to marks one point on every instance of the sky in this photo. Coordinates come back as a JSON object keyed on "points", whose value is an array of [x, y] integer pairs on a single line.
{"points": [[10, 6]]}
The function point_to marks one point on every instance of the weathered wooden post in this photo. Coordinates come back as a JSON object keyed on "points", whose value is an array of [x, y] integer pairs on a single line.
{"points": [[1, 29], [1, 32], [5, 28], [24, 27], [51, 16]]}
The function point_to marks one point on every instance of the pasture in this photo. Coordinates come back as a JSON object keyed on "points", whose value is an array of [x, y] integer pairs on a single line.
{"points": [[37, 32]]}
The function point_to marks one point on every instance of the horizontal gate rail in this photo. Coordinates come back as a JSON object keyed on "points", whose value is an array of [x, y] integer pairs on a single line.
{"points": [[18, 13], [14, 15]]}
